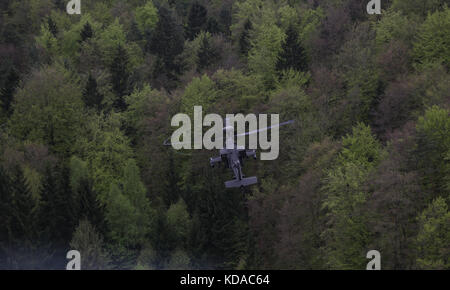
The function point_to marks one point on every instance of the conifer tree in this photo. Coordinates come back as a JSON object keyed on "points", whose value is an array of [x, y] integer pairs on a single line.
{"points": [[244, 40], [5, 216], [90, 244], [56, 217], [92, 98], [120, 75], [52, 26], [22, 227], [86, 33], [7, 93], [89, 206], [197, 20], [293, 54], [206, 55], [168, 40]]}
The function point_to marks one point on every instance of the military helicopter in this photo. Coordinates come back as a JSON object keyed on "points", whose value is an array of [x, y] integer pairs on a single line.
{"points": [[233, 156]]}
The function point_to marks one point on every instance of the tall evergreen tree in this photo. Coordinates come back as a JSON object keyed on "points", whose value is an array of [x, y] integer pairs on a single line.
{"points": [[89, 243], [7, 93], [225, 19], [56, 218], [89, 207], [244, 40], [87, 203], [92, 98], [22, 227], [52, 26], [86, 32], [120, 76], [206, 54], [5, 216], [197, 20], [293, 55], [213, 26], [167, 43]]}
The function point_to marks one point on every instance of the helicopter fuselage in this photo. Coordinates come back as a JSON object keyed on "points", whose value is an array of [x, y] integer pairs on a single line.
{"points": [[234, 159]]}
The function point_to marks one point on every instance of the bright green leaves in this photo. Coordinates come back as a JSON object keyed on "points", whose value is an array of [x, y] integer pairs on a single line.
{"points": [[348, 236], [47, 40], [128, 213], [394, 25], [263, 56], [179, 221], [433, 147], [361, 147], [417, 7], [433, 40], [200, 92], [47, 109], [147, 17], [434, 237]]}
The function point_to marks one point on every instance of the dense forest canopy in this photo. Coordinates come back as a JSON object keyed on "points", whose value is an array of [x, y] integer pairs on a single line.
{"points": [[86, 102]]}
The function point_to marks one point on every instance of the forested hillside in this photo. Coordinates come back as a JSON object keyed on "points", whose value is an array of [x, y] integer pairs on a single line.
{"points": [[87, 100]]}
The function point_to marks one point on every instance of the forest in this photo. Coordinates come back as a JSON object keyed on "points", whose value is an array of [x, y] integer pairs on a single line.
{"points": [[86, 102]]}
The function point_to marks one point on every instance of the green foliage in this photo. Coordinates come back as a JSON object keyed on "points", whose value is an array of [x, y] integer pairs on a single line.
{"points": [[106, 149], [292, 54], [347, 237], [72, 37], [147, 259], [434, 236], [137, 103], [167, 40], [19, 231], [91, 96], [122, 219], [207, 54], [47, 109], [147, 17], [263, 56], [6, 93], [110, 39], [78, 172], [433, 40], [47, 40], [394, 25], [288, 17], [120, 74], [433, 143], [200, 92], [417, 7], [196, 20], [87, 32], [310, 21], [179, 221], [361, 147], [90, 244], [244, 39], [179, 261]]}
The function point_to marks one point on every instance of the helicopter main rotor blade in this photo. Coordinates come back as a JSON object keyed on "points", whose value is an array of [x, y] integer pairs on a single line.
{"points": [[168, 143], [266, 129]]}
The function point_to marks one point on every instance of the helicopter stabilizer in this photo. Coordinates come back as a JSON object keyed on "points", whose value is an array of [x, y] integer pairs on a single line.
{"points": [[241, 183]]}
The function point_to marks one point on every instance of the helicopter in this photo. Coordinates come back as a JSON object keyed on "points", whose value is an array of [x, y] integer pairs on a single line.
{"points": [[233, 156]]}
